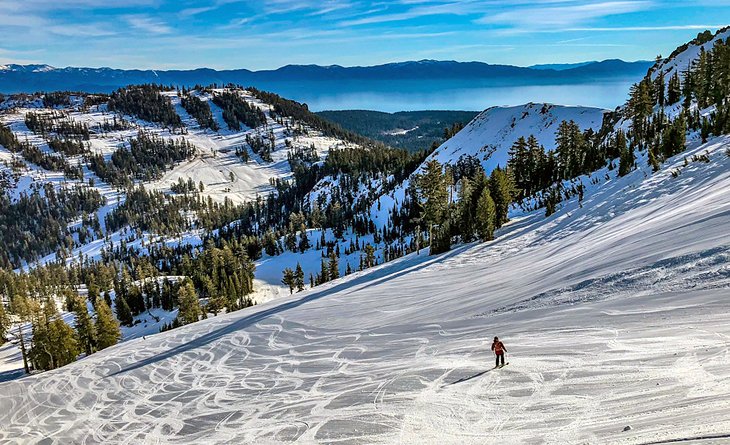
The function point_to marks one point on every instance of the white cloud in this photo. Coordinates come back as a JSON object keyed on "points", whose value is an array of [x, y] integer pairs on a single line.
{"points": [[424, 10], [236, 23], [148, 24], [551, 16], [648, 28], [190, 12], [45, 5]]}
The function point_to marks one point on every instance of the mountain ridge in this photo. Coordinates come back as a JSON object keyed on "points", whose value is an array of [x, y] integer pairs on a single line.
{"points": [[16, 78]]}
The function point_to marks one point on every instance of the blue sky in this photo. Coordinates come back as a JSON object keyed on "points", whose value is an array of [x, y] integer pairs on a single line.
{"points": [[265, 34]]}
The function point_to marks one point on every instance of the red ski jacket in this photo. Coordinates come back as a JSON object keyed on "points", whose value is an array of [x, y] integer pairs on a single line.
{"points": [[498, 347]]}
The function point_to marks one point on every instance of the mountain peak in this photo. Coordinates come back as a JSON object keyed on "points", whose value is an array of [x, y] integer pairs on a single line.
{"points": [[33, 68]]}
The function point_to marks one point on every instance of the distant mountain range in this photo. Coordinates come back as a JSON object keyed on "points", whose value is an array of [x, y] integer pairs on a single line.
{"points": [[32, 78], [561, 66]]}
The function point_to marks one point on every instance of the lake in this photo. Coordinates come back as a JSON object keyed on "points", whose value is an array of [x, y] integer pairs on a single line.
{"points": [[471, 95]]}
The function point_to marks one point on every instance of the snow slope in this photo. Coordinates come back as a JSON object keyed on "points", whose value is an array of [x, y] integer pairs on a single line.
{"points": [[614, 314], [492, 133], [217, 159]]}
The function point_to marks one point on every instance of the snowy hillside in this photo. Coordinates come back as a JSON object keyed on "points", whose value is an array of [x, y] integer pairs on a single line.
{"points": [[682, 59], [614, 314], [489, 138], [223, 174], [215, 160], [492, 133]]}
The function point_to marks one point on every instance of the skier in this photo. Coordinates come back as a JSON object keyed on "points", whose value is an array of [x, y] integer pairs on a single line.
{"points": [[499, 350]]}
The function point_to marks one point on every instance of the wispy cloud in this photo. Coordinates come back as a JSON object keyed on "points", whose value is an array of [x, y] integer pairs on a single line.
{"points": [[236, 23], [13, 16], [191, 12], [148, 24], [647, 28], [425, 9], [46, 5], [81, 30], [550, 16]]}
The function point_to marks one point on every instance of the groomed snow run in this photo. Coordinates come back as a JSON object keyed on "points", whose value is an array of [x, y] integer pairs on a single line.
{"points": [[614, 314]]}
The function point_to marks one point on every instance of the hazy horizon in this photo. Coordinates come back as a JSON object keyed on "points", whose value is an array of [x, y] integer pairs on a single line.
{"points": [[193, 68]]}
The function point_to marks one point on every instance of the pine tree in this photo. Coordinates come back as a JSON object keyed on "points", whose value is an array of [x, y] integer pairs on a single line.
{"points": [[324, 272], [20, 306], [54, 342], [290, 240], [85, 329], [654, 159], [564, 149], [441, 239], [299, 278], [304, 243], [4, 323], [501, 189], [465, 211], [124, 314], [334, 267], [433, 195], [369, 256], [486, 216], [552, 199], [659, 89], [688, 86], [674, 90], [289, 280], [93, 294], [519, 162], [626, 160], [107, 327], [189, 310], [674, 137], [640, 108]]}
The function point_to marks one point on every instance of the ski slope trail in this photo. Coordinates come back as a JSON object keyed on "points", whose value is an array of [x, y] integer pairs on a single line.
{"points": [[614, 312]]}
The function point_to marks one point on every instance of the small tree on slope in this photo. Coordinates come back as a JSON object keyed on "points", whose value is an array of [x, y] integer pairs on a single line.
{"points": [[107, 327], [189, 311]]}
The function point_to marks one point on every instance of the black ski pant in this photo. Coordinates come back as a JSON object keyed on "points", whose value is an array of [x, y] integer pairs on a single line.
{"points": [[499, 357]]}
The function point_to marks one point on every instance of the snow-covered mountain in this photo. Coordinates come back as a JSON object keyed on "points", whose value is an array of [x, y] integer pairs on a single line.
{"points": [[490, 136]]}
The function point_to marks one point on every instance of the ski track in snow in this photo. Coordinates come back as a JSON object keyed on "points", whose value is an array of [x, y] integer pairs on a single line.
{"points": [[614, 313]]}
